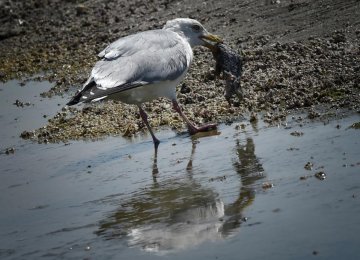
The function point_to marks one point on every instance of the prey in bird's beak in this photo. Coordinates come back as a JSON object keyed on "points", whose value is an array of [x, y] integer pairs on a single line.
{"points": [[211, 38]]}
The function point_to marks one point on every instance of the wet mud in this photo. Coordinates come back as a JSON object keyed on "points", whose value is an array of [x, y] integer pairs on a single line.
{"points": [[296, 55]]}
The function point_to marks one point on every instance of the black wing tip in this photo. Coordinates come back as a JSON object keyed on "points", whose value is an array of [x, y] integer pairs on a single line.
{"points": [[72, 102], [77, 98]]}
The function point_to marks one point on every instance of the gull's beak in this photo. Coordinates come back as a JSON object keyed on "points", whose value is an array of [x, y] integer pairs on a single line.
{"points": [[212, 38]]}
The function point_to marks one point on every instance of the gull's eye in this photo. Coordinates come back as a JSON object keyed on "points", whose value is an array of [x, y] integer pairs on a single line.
{"points": [[196, 28]]}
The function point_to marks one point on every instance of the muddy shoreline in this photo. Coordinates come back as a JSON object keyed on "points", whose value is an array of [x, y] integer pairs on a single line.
{"points": [[302, 55]]}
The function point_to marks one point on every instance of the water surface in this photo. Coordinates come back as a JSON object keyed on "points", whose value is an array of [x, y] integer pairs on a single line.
{"points": [[203, 197]]}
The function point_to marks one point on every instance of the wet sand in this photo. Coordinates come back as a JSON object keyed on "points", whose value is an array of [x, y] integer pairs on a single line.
{"points": [[296, 56]]}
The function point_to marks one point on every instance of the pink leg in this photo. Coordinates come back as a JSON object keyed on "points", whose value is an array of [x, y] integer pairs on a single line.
{"points": [[144, 118], [191, 127]]}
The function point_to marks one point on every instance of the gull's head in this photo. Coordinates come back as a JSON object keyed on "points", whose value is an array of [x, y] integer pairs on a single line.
{"points": [[193, 31]]}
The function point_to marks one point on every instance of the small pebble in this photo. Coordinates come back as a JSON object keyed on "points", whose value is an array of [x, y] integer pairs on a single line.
{"points": [[10, 150], [308, 166], [297, 133], [267, 185], [320, 175]]}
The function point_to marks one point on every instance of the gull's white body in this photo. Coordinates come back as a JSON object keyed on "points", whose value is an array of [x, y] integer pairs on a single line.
{"points": [[149, 92]]}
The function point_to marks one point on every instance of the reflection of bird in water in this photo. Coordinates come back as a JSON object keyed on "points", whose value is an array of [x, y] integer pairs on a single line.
{"points": [[190, 228], [169, 216], [248, 167], [250, 172], [176, 214]]}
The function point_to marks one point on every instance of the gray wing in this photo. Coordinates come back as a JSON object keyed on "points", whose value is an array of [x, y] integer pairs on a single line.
{"points": [[136, 60], [145, 57]]}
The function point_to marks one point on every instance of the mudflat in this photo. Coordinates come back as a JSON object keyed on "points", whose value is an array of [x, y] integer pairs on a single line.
{"points": [[302, 54]]}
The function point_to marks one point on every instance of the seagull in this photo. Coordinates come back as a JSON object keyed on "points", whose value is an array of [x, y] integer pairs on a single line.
{"points": [[147, 65]]}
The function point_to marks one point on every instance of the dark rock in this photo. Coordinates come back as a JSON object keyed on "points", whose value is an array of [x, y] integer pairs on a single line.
{"points": [[7, 33]]}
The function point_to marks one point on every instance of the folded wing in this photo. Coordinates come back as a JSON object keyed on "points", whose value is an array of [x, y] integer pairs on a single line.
{"points": [[136, 60]]}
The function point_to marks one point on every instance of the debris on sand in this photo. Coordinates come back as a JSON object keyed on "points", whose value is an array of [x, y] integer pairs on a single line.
{"points": [[9, 150], [308, 166], [355, 125], [297, 133], [19, 103], [320, 175], [302, 178], [267, 185]]}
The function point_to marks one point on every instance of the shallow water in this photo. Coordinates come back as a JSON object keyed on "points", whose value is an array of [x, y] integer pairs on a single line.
{"points": [[204, 197]]}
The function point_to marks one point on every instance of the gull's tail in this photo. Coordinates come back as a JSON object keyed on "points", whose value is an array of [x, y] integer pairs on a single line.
{"points": [[91, 93]]}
